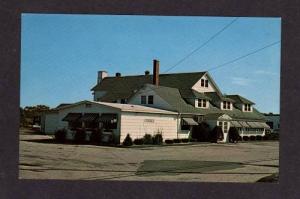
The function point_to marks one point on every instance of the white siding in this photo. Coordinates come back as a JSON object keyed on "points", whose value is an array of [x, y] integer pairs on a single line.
{"points": [[158, 102], [199, 88], [50, 123], [138, 124]]}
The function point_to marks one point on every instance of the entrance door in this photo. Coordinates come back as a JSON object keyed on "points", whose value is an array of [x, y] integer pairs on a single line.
{"points": [[225, 128]]}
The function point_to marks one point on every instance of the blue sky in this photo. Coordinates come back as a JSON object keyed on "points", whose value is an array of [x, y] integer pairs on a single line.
{"points": [[61, 54]]}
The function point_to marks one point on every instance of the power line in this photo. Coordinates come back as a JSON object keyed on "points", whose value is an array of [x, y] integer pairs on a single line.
{"points": [[243, 56], [202, 45]]}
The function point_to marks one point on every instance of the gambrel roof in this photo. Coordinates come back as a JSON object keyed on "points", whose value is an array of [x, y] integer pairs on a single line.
{"points": [[239, 99]]}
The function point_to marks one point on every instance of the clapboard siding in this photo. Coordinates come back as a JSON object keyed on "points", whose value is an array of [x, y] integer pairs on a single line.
{"points": [[139, 124]]}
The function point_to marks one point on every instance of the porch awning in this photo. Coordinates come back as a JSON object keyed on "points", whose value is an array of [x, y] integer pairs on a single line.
{"points": [[254, 124], [107, 117], [190, 121], [264, 125], [89, 117], [72, 117], [244, 124], [236, 124]]}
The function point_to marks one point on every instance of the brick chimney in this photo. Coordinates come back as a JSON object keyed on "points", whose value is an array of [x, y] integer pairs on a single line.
{"points": [[155, 72], [101, 76]]}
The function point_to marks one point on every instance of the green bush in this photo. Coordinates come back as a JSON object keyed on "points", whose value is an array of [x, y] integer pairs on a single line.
{"points": [[138, 141], [148, 139], [79, 137], [201, 132], [157, 139], [245, 138], [95, 137], [184, 140], [169, 141], [193, 140], [258, 137], [127, 141], [176, 140], [272, 136], [60, 135], [252, 137], [233, 134], [216, 134]]}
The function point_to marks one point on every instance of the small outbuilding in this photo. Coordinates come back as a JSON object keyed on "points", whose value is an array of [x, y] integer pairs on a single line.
{"points": [[117, 119]]}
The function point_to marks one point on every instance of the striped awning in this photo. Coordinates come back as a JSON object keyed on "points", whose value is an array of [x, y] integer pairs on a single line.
{"points": [[190, 121], [254, 125], [264, 125], [244, 124], [107, 117], [72, 117], [236, 124], [89, 117]]}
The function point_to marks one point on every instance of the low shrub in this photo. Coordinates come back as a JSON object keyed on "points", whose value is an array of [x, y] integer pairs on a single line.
{"points": [[157, 139], [60, 135], [272, 136], [233, 134], [216, 134], [184, 140], [176, 140], [258, 137], [265, 137], [193, 140], [138, 141], [240, 138], [127, 141], [245, 138], [148, 139], [169, 141], [95, 137], [80, 135], [252, 137]]}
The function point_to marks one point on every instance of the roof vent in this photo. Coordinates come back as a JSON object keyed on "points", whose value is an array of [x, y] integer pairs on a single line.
{"points": [[118, 74]]}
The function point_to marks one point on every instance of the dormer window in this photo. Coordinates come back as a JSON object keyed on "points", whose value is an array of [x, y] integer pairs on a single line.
{"points": [[204, 83], [150, 99], [226, 105], [202, 103], [247, 107]]}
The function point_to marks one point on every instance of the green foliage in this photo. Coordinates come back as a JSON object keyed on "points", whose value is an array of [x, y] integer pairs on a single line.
{"points": [[233, 134], [158, 139], [201, 132], [258, 137], [185, 140], [148, 139], [60, 135], [177, 140], [169, 141], [245, 138], [127, 141], [216, 134], [79, 137], [252, 137], [95, 137], [138, 141]]}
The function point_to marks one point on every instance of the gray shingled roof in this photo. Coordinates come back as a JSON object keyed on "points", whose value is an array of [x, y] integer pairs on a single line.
{"points": [[239, 99], [123, 87]]}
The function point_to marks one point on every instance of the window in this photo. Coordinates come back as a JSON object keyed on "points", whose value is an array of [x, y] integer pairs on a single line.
{"points": [[202, 82], [123, 101], [202, 103], [143, 99], [184, 125], [111, 123], [206, 83], [247, 107], [226, 105], [150, 99], [220, 124]]}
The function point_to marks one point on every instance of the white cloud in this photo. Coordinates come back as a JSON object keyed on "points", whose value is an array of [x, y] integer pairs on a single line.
{"points": [[241, 81]]}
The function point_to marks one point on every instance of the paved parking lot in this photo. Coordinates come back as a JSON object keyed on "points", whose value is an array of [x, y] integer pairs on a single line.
{"points": [[202, 162]]}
